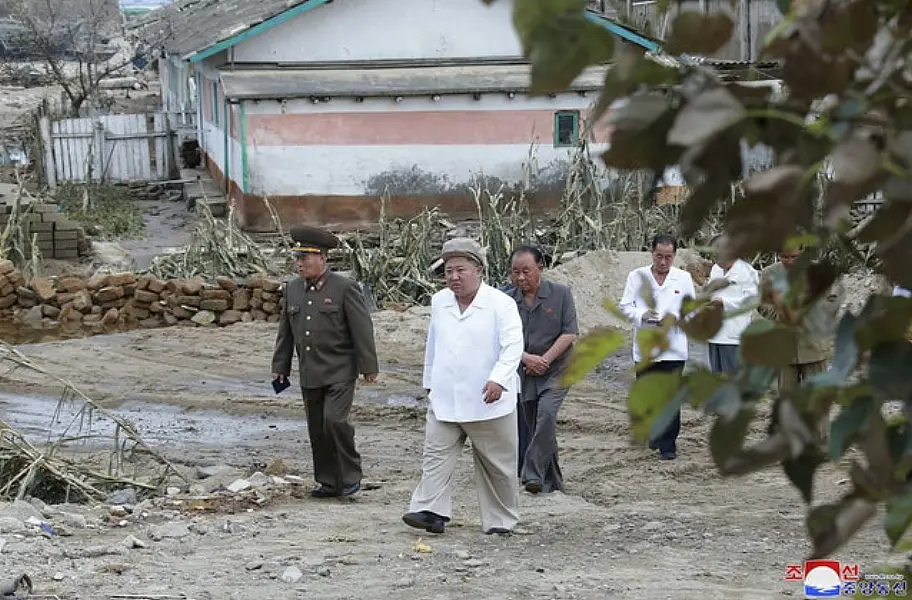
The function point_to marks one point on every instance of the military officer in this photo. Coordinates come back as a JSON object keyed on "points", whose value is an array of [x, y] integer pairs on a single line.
{"points": [[327, 323]]}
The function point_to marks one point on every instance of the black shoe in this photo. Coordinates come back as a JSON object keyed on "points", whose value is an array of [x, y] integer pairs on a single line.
{"points": [[324, 492], [352, 489], [498, 531], [653, 446], [430, 522], [669, 455], [534, 487]]}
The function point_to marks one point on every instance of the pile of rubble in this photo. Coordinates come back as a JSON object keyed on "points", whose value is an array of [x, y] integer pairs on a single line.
{"points": [[127, 301]]}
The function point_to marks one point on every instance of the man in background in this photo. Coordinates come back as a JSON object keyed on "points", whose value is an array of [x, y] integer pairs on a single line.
{"points": [[669, 286], [743, 284], [808, 356], [327, 322]]}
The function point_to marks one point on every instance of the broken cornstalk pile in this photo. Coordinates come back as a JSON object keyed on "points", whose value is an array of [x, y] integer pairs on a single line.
{"points": [[397, 269], [218, 247], [44, 471]]}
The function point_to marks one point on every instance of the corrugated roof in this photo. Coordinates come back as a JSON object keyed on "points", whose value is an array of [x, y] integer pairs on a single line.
{"points": [[188, 27], [257, 84], [191, 26]]}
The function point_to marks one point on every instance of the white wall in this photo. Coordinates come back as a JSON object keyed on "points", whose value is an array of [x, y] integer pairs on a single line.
{"points": [[278, 170], [346, 170], [350, 30]]}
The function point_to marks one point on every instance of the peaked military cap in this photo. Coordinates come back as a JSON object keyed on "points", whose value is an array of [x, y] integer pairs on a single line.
{"points": [[312, 240]]}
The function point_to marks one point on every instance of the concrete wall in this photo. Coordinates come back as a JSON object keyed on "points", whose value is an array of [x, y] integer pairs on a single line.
{"points": [[353, 30], [347, 148]]}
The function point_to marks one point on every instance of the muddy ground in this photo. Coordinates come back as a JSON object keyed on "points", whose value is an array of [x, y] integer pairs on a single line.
{"points": [[629, 526]]}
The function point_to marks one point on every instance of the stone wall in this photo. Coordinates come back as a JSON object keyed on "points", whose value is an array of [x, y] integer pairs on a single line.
{"points": [[126, 300]]}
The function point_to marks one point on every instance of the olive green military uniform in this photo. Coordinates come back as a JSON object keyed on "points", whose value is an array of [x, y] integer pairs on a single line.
{"points": [[327, 323], [808, 356]]}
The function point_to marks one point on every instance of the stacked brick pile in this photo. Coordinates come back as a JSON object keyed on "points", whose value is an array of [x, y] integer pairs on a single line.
{"points": [[125, 300], [58, 237]]}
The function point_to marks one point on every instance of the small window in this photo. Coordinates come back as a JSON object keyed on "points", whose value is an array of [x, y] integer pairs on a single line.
{"points": [[566, 128], [215, 100]]}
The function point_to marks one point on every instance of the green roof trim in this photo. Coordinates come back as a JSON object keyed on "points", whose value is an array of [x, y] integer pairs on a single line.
{"points": [[614, 27], [257, 29], [623, 31]]}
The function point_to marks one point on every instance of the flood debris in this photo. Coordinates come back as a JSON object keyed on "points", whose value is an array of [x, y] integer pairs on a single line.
{"points": [[46, 472]]}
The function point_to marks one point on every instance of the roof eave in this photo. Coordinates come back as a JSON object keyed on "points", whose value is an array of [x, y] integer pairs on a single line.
{"points": [[255, 30]]}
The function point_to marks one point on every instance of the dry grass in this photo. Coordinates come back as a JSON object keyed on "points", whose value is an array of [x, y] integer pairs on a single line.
{"points": [[217, 247], [396, 270], [17, 241], [46, 472]]}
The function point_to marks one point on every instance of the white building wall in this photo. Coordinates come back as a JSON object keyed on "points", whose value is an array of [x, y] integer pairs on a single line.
{"points": [[212, 136], [282, 170], [355, 30]]}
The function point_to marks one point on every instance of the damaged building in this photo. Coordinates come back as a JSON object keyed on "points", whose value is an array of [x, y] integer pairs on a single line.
{"points": [[322, 106]]}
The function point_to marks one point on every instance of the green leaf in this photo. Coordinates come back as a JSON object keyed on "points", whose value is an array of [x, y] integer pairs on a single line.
{"points": [[889, 369], [883, 320], [845, 355], [726, 438], [784, 6], [898, 516], [850, 422], [631, 70], [703, 384], [652, 341], [589, 351], [830, 526], [768, 344], [698, 33], [703, 324], [648, 397], [559, 41], [704, 117], [801, 470], [646, 291], [615, 310], [671, 410]]}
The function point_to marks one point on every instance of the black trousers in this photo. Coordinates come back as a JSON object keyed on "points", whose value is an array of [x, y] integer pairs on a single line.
{"points": [[336, 462], [668, 440]]}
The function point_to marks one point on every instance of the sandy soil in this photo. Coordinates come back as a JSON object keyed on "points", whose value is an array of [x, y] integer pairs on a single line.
{"points": [[628, 526]]}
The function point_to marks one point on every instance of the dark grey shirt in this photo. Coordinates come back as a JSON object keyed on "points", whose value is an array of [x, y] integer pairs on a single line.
{"points": [[552, 315]]}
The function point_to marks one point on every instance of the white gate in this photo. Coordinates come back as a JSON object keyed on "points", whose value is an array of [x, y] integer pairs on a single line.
{"points": [[109, 148]]}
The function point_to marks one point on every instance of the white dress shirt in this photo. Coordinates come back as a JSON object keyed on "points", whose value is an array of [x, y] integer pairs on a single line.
{"points": [[744, 284], [466, 350], [901, 291], [668, 296]]}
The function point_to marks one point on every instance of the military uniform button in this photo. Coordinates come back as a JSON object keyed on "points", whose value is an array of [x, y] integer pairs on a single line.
{"points": [[308, 317], [309, 302], [307, 348], [306, 333]]}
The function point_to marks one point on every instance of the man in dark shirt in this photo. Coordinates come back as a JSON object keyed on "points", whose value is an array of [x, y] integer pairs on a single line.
{"points": [[327, 323], [550, 327]]}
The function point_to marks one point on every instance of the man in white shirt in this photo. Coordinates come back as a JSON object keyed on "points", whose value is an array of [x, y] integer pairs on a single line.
{"points": [[474, 347], [743, 282], [669, 286]]}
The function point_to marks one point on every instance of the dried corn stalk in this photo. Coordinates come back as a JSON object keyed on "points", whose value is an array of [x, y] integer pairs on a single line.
{"points": [[217, 247], [26, 469]]}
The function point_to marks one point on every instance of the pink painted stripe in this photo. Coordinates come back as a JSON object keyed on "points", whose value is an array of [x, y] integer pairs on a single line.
{"points": [[470, 127]]}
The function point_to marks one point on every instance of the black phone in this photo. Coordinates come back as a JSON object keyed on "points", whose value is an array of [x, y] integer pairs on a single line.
{"points": [[280, 384]]}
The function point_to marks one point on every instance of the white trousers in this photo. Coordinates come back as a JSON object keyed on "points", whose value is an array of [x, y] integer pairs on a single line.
{"points": [[495, 453]]}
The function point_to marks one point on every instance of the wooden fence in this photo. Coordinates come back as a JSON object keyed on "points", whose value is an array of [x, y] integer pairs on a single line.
{"points": [[111, 148]]}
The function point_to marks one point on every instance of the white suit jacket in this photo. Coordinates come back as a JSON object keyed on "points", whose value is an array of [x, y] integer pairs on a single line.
{"points": [[466, 350]]}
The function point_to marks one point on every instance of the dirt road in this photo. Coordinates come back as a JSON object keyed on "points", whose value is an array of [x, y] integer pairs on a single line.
{"points": [[629, 525]]}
